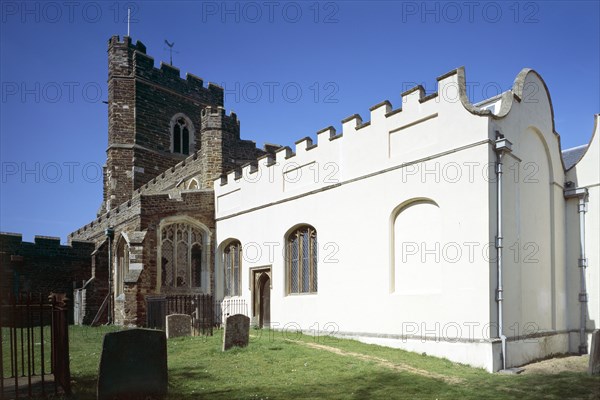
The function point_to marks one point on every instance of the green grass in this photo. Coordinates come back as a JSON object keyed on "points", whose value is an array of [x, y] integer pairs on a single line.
{"points": [[275, 367]]}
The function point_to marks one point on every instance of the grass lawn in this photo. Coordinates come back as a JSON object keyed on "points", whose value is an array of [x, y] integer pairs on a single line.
{"points": [[285, 366]]}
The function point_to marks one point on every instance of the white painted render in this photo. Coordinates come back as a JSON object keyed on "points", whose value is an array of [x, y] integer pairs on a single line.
{"points": [[405, 212]]}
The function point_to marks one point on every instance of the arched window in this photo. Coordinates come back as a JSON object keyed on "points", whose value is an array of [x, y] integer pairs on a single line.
{"points": [[301, 260], [122, 266], [193, 184], [232, 266], [182, 135], [181, 255]]}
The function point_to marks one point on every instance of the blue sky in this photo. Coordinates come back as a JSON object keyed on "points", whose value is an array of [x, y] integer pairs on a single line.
{"points": [[288, 68]]}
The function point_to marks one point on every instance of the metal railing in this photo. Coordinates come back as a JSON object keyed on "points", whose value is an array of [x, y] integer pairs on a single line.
{"points": [[206, 313], [35, 333]]}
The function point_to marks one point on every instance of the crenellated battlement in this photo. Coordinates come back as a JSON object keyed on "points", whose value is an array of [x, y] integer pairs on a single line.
{"points": [[10, 241], [170, 76], [190, 166], [421, 126], [126, 42], [127, 58], [142, 102], [382, 115], [216, 117]]}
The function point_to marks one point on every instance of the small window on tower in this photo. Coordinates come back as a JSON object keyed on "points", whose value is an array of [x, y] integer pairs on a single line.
{"points": [[181, 137], [177, 139]]}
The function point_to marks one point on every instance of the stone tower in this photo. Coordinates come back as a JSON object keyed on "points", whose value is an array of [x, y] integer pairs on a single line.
{"points": [[154, 118], [220, 133]]}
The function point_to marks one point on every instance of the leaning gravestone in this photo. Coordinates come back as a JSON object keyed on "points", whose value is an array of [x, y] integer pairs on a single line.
{"points": [[133, 365], [594, 367], [179, 325], [237, 331]]}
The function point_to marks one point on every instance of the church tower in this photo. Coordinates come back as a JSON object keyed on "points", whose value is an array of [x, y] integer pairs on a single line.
{"points": [[154, 118]]}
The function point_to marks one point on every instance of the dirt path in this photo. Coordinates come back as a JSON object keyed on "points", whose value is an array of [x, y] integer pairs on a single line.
{"points": [[382, 362], [558, 365]]}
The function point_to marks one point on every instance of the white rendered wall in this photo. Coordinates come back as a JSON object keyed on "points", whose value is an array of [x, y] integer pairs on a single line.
{"points": [[375, 224], [533, 229], [405, 212], [586, 173]]}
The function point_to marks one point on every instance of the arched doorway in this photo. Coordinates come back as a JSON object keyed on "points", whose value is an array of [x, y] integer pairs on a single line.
{"points": [[261, 296], [264, 300]]}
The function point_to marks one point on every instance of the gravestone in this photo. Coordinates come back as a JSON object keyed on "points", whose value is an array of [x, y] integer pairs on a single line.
{"points": [[594, 366], [179, 325], [133, 365], [237, 331]]}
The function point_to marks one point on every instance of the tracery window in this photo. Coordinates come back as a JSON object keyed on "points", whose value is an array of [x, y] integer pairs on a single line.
{"points": [[232, 263], [301, 260], [181, 136], [181, 255]]}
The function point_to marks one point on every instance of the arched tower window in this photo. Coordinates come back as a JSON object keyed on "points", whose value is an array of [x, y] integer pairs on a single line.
{"points": [[301, 260], [181, 255], [182, 135], [232, 264]]}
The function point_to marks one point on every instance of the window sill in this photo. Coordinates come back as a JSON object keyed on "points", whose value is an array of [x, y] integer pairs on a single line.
{"points": [[302, 294]]}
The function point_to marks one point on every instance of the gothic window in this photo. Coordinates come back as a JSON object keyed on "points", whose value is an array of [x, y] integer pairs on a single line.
{"points": [[182, 135], [301, 260], [232, 263], [122, 266], [181, 255], [193, 184]]}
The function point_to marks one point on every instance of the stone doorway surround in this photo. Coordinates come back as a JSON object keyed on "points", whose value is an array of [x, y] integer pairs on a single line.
{"points": [[261, 283]]}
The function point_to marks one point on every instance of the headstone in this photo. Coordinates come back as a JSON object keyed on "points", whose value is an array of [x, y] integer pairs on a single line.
{"points": [[237, 331], [594, 367], [133, 365], [179, 325]]}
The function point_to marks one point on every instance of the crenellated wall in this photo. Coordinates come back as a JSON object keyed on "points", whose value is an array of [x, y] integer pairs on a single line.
{"points": [[172, 179], [43, 266], [422, 127], [404, 206], [368, 190]]}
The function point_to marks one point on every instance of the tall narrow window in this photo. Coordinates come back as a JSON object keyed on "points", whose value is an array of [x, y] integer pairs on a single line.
{"points": [[181, 255], [177, 138], [197, 265], [181, 136], [232, 259], [301, 260], [122, 266]]}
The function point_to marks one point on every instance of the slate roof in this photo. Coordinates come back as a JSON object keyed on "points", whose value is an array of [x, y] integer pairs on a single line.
{"points": [[573, 155]]}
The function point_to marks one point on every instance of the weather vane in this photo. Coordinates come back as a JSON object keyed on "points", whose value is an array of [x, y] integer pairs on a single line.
{"points": [[170, 51]]}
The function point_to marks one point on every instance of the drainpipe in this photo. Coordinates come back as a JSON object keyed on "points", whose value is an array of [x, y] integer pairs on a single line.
{"points": [[502, 146], [582, 195], [110, 233]]}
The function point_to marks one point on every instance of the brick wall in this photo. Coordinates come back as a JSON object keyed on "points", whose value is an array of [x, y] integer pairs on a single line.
{"points": [[44, 266]]}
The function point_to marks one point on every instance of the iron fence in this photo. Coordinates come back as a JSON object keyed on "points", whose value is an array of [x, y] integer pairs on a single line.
{"points": [[206, 313], [34, 331]]}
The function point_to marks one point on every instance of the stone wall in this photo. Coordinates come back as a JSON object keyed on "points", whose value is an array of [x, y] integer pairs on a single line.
{"points": [[143, 175], [142, 102], [198, 205], [43, 266]]}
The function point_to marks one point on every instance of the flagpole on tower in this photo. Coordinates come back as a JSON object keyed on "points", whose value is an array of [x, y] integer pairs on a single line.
{"points": [[128, 19]]}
